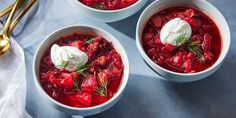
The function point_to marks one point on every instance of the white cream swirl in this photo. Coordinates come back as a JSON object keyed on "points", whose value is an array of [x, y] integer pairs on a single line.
{"points": [[68, 57], [173, 29]]}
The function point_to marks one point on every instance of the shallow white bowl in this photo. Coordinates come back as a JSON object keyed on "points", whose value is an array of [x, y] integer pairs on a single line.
{"points": [[201, 5], [79, 29], [107, 15]]}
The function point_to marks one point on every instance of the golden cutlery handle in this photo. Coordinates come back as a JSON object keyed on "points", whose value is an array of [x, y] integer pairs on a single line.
{"points": [[21, 15], [8, 23], [8, 9]]}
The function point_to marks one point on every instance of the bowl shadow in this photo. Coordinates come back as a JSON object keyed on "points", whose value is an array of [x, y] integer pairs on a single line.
{"points": [[150, 97]]}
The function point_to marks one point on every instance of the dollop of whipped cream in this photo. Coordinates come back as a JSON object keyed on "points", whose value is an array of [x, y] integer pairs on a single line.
{"points": [[173, 29], [68, 57]]}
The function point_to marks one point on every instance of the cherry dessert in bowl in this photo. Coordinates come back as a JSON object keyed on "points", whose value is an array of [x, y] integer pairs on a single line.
{"points": [[108, 4], [81, 70], [182, 40]]}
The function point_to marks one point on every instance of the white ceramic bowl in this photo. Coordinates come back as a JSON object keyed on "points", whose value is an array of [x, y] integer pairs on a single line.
{"points": [[79, 29], [108, 15], [201, 5]]}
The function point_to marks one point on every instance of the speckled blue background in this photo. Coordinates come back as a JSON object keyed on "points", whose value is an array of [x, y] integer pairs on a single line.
{"points": [[146, 96]]}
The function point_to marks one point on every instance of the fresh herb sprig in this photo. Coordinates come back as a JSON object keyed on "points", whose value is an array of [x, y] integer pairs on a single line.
{"points": [[182, 39], [75, 85], [99, 6], [91, 40], [197, 52], [193, 46], [82, 70], [64, 64], [102, 90]]}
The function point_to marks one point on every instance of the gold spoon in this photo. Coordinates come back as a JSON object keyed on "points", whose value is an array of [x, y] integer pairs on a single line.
{"points": [[7, 30], [21, 15], [8, 9], [4, 38]]}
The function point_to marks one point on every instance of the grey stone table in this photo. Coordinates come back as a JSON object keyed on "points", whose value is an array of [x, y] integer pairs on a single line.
{"points": [[146, 95]]}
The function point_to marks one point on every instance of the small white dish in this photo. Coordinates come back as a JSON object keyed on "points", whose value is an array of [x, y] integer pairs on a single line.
{"points": [[201, 5], [79, 29], [108, 15]]}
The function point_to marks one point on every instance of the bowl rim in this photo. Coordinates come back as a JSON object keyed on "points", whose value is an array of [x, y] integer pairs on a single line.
{"points": [[151, 63], [108, 11], [111, 100]]}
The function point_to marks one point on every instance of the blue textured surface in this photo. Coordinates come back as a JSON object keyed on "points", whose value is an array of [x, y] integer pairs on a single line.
{"points": [[146, 95]]}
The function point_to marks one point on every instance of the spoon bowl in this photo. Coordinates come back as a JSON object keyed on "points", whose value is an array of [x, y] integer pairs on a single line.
{"points": [[4, 36], [4, 44], [8, 28]]}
